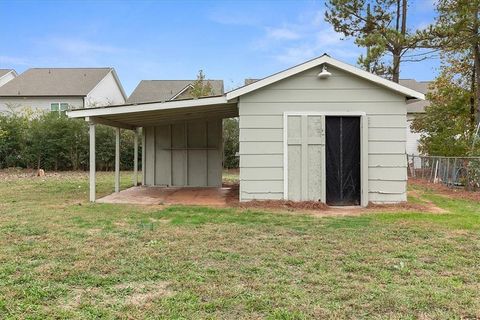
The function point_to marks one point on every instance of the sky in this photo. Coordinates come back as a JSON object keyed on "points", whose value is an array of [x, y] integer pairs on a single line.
{"points": [[229, 40]]}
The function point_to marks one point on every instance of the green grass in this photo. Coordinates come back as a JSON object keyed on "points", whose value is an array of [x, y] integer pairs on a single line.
{"points": [[61, 257]]}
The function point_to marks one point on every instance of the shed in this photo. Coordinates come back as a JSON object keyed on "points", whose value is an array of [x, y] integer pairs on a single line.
{"points": [[320, 131]]}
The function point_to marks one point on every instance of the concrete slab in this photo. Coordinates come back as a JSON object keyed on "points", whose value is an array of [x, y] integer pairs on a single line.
{"points": [[169, 195]]}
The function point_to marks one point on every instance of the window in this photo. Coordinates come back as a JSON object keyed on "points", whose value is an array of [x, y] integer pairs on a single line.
{"points": [[59, 107]]}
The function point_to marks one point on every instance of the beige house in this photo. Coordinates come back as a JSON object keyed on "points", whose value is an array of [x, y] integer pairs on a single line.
{"points": [[319, 131], [60, 89], [415, 108]]}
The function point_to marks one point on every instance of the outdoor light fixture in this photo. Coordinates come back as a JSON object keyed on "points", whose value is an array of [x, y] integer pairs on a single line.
{"points": [[324, 74]]}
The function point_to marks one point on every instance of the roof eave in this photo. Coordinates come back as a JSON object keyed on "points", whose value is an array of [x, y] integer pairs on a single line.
{"points": [[133, 108], [325, 59]]}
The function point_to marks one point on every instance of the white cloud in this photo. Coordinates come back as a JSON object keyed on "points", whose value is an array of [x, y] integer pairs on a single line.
{"points": [[229, 17], [9, 60], [81, 47], [306, 37], [282, 34]]}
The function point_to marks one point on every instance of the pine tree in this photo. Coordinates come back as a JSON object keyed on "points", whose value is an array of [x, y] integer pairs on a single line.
{"points": [[380, 26]]}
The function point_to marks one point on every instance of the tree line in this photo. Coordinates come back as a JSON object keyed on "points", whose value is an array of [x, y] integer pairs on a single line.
{"points": [[449, 127], [52, 141]]}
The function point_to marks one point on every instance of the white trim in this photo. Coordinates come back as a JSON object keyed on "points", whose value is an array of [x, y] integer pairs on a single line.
{"points": [[144, 150], [13, 72], [117, 160], [59, 106], [92, 178], [177, 104], [181, 91], [363, 150], [135, 158], [285, 155], [325, 59]]}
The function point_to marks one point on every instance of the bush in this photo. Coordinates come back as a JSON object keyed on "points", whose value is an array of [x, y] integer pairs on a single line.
{"points": [[52, 141], [231, 144]]}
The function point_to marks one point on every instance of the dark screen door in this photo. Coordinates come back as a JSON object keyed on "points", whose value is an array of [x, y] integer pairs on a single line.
{"points": [[343, 160]]}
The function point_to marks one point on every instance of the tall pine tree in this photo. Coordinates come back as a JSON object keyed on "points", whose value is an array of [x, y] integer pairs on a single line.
{"points": [[380, 26]]}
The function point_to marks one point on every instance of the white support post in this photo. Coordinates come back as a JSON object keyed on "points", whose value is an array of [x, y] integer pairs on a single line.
{"points": [[135, 158], [144, 149], [92, 162], [117, 159]]}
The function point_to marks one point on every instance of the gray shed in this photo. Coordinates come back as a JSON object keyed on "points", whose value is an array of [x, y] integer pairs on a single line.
{"points": [[320, 131]]}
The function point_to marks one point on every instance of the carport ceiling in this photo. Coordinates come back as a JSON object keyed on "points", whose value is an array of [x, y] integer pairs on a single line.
{"points": [[149, 118], [151, 114]]}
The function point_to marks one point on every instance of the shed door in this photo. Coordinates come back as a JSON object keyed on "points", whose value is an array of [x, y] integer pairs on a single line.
{"points": [[343, 160], [305, 150]]}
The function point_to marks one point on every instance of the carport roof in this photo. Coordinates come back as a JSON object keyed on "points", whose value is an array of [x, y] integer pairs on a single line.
{"points": [[131, 116]]}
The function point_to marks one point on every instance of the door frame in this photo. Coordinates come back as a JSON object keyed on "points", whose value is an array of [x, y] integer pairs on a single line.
{"points": [[363, 150]]}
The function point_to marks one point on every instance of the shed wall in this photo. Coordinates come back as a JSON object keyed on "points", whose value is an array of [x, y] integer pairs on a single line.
{"points": [[261, 131], [187, 153]]}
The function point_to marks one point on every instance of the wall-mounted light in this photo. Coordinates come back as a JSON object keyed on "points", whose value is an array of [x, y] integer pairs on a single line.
{"points": [[324, 74]]}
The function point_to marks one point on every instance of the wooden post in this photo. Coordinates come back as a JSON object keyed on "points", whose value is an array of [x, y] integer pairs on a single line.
{"points": [[92, 161], [117, 159], [135, 158]]}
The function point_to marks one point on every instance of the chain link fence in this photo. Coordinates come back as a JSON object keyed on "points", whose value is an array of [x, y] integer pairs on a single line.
{"points": [[455, 172]]}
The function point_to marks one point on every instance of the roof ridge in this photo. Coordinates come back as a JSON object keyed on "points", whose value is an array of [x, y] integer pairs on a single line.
{"points": [[179, 79], [97, 68]]}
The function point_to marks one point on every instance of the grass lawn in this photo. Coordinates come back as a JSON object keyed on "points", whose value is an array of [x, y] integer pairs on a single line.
{"points": [[61, 257]]}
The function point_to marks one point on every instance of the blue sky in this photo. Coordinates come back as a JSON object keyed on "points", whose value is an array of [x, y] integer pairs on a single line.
{"points": [[174, 39]]}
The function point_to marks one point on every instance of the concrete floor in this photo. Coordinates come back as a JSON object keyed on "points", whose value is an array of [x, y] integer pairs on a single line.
{"points": [[169, 195]]}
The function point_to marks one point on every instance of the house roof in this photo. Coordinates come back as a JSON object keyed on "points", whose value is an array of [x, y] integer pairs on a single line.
{"points": [[416, 105], [325, 59], [40, 82], [165, 90], [5, 71]]}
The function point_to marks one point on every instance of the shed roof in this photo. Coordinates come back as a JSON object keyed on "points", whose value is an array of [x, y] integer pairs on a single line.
{"points": [[165, 90], [325, 60], [55, 82]]}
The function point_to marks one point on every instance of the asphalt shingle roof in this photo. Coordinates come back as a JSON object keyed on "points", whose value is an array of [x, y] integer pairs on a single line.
{"points": [[54, 82], [164, 90], [416, 106]]}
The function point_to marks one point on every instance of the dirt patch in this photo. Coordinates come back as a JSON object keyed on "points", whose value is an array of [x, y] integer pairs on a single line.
{"points": [[432, 207], [143, 293], [455, 193], [132, 293], [321, 209], [12, 174]]}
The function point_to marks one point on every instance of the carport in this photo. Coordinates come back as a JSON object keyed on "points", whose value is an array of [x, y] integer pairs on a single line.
{"points": [[182, 140]]}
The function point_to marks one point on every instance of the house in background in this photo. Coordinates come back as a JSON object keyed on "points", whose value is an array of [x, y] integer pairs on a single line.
{"points": [[306, 133], [60, 89], [415, 107], [6, 75], [168, 90]]}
